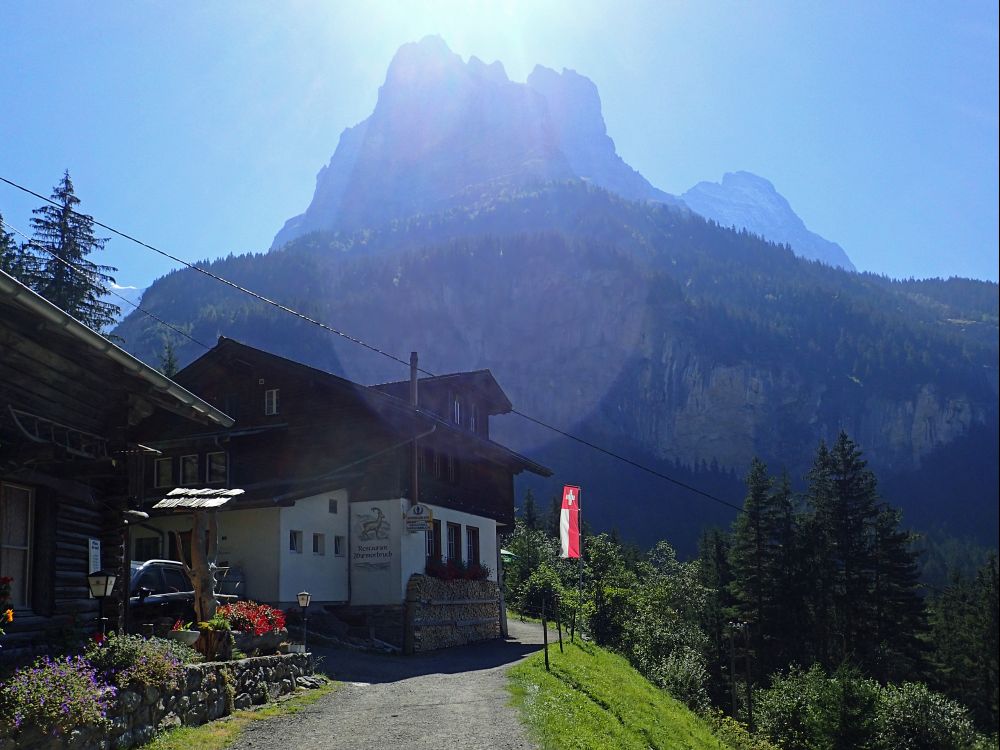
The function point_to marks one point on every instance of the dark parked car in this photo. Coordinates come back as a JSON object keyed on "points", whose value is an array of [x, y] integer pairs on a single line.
{"points": [[159, 589]]}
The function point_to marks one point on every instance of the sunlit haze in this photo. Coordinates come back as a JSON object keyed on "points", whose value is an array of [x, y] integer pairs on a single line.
{"points": [[199, 128]]}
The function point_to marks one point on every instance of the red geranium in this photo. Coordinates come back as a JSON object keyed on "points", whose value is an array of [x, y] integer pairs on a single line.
{"points": [[252, 617]]}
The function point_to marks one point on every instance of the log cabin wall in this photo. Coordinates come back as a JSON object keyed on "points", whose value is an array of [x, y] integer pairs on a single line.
{"points": [[69, 400]]}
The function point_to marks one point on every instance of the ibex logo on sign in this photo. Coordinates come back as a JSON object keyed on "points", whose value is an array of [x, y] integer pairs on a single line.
{"points": [[376, 527]]}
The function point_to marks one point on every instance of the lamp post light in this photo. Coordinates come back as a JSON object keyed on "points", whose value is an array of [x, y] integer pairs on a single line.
{"points": [[304, 598], [102, 583]]}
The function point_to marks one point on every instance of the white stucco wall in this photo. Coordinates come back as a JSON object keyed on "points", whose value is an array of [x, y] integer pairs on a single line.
{"points": [[248, 540], [322, 575], [414, 545], [381, 566]]}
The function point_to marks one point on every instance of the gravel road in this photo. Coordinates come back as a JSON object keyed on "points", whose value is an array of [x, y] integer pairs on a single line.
{"points": [[450, 698]]}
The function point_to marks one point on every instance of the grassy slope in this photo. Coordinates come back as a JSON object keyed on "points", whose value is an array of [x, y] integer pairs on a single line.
{"points": [[595, 699]]}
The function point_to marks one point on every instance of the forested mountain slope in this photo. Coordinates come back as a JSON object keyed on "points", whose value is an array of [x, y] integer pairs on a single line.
{"points": [[641, 326]]}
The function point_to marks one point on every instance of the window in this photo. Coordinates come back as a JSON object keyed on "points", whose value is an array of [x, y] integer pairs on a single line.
{"points": [[454, 470], [146, 548], [319, 544], [175, 580], [339, 546], [16, 505], [474, 418], [434, 541], [216, 468], [295, 541], [444, 466], [334, 506], [163, 472], [271, 401], [454, 541], [456, 410], [472, 545], [189, 469]]}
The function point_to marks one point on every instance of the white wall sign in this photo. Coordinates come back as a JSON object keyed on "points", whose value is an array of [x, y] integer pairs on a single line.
{"points": [[418, 518], [94, 554]]}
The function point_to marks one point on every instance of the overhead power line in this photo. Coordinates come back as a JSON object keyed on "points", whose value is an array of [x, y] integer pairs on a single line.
{"points": [[330, 329], [89, 276]]}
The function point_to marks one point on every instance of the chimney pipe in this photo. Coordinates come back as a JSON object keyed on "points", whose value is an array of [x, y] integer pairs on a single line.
{"points": [[415, 455]]}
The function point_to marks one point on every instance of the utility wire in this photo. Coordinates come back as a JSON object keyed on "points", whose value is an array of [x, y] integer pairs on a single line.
{"points": [[90, 277], [355, 340]]}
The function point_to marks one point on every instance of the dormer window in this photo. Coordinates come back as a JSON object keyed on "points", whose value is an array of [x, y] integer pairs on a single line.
{"points": [[271, 402]]}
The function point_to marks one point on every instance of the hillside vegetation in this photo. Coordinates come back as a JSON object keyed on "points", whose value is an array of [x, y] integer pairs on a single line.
{"points": [[595, 699]]}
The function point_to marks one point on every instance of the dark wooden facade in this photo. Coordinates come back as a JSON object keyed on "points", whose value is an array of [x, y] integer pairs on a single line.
{"points": [[327, 430], [70, 402]]}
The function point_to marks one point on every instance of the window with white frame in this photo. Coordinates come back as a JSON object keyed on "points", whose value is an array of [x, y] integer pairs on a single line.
{"points": [[216, 467], [271, 401], [163, 472], [16, 506], [454, 541], [340, 546], [474, 418], [319, 544], [472, 545], [189, 469], [456, 410], [295, 542]]}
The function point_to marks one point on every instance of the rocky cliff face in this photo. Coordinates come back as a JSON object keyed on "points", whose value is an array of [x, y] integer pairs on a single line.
{"points": [[445, 133], [744, 200]]}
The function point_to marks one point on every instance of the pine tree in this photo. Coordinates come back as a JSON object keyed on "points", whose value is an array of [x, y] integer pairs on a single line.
{"points": [[9, 251], [529, 512], [168, 359], [898, 616], [62, 272]]}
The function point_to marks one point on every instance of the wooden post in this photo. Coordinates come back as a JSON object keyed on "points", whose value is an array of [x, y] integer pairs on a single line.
{"points": [[732, 665], [559, 621], [545, 635], [746, 631]]}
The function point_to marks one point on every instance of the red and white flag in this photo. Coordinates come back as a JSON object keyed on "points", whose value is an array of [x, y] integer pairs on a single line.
{"points": [[569, 522]]}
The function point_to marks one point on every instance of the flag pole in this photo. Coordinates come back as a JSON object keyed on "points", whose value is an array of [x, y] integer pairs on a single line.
{"points": [[579, 584]]}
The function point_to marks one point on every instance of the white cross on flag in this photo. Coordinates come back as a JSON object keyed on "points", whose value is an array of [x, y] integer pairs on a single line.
{"points": [[569, 522]]}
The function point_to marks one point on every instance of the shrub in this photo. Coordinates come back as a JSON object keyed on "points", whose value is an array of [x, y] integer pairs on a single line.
{"points": [[251, 617], [813, 711], [912, 717], [133, 661], [55, 696], [542, 584], [733, 733]]}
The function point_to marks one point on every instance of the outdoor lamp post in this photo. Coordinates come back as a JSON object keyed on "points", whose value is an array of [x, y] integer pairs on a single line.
{"points": [[304, 598], [102, 583]]}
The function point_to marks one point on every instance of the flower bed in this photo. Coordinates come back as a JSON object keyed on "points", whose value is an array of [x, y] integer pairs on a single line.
{"points": [[130, 716]]}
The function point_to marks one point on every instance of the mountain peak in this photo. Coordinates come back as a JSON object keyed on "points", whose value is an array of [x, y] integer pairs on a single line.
{"points": [[446, 132], [748, 201]]}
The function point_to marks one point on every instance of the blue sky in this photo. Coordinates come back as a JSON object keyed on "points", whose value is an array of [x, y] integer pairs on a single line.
{"points": [[199, 127]]}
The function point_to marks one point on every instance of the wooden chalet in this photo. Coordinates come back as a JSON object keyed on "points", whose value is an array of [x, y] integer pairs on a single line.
{"points": [[327, 466], [70, 466]]}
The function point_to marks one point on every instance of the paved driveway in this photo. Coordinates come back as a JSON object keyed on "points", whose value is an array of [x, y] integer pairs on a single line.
{"points": [[454, 698]]}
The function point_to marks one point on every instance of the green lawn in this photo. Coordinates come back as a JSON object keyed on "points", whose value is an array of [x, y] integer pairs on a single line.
{"points": [[219, 734], [595, 699]]}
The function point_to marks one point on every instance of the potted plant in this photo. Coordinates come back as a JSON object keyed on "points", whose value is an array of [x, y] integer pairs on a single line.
{"points": [[216, 641], [257, 627], [181, 631]]}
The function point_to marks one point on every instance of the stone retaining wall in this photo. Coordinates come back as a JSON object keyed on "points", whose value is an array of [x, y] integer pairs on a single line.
{"points": [[441, 613], [208, 691]]}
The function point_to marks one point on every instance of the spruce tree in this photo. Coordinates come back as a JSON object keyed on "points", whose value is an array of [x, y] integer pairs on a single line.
{"points": [[62, 272], [9, 251], [898, 618], [529, 512]]}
